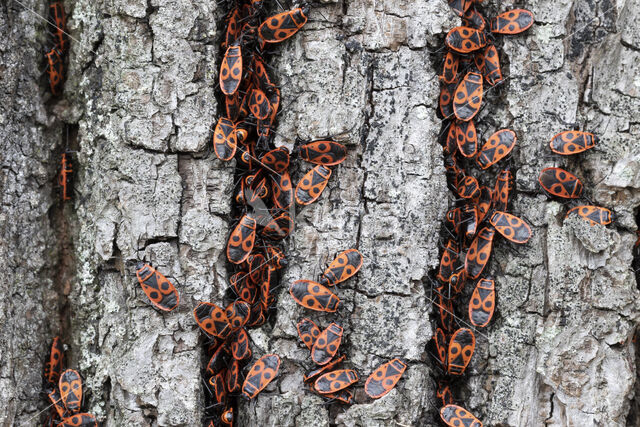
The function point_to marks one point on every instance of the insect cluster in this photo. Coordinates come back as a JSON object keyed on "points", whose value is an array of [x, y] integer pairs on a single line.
{"points": [[55, 56], [471, 60], [560, 183], [325, 379], [263, 200], [64, 390]]}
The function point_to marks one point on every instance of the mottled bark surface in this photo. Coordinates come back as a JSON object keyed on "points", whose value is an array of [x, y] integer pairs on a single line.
{"points": [[141, 89], [29, 285]]}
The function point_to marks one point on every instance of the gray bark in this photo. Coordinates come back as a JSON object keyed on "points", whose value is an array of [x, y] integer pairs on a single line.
{"points": [[141, 89]]}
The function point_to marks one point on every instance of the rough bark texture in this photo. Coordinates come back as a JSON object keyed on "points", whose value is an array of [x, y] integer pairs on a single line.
{"points": [[141, 89], [28, 248]]}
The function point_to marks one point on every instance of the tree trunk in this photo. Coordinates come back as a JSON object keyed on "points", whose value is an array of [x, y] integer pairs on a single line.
{"points": [[139, 105]]}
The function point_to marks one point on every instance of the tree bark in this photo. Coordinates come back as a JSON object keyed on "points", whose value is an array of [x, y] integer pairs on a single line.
{"points": [[140, 88]]}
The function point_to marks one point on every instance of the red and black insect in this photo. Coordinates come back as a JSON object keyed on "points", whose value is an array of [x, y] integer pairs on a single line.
{"points": [[312, 185], [240, 349], [460, 6], [344, 396], [260, 375], [70, 386], [53, 365], [264, 126], [314, 296], [161, 292], [384, 378], [482, 303], [260, 76], [217, 388], [276, 258], [276, 159], [231, 70], [64, 177], [572, 142], [283, 25], [456, 416], [238, 314], [451, 164], [445, 101], [458, 280], [344, 266], [448, 261], [483, 202], [282, 190], [217, 360], [332, 382], [225, 139], [461, 347], [308, 332], [255, 186], [593, 214], [232, 376], [440, 340], [212, 319], [558, 182], [55, 70], [327, 344], [444, 393], [512, 22], [258, 315], [504, 185], [469, 214], [468, 187], [267, 299], [497, 147], [247, 88], [242, 240], [232, 105], [279, 227], [57, 17], [233, 28], [445, 308], [257, 265], [467, 99], [56, 402], [237, 105], [465, 39], [242, 135], [310, 376], [327, 153], [450, 146], [488, 62], [472, 18], [511, 227], [259, 104], [79, 420], [454, 218], [450, 68], [227, 417], [467, 138], [479, 252], [244, 287]]}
